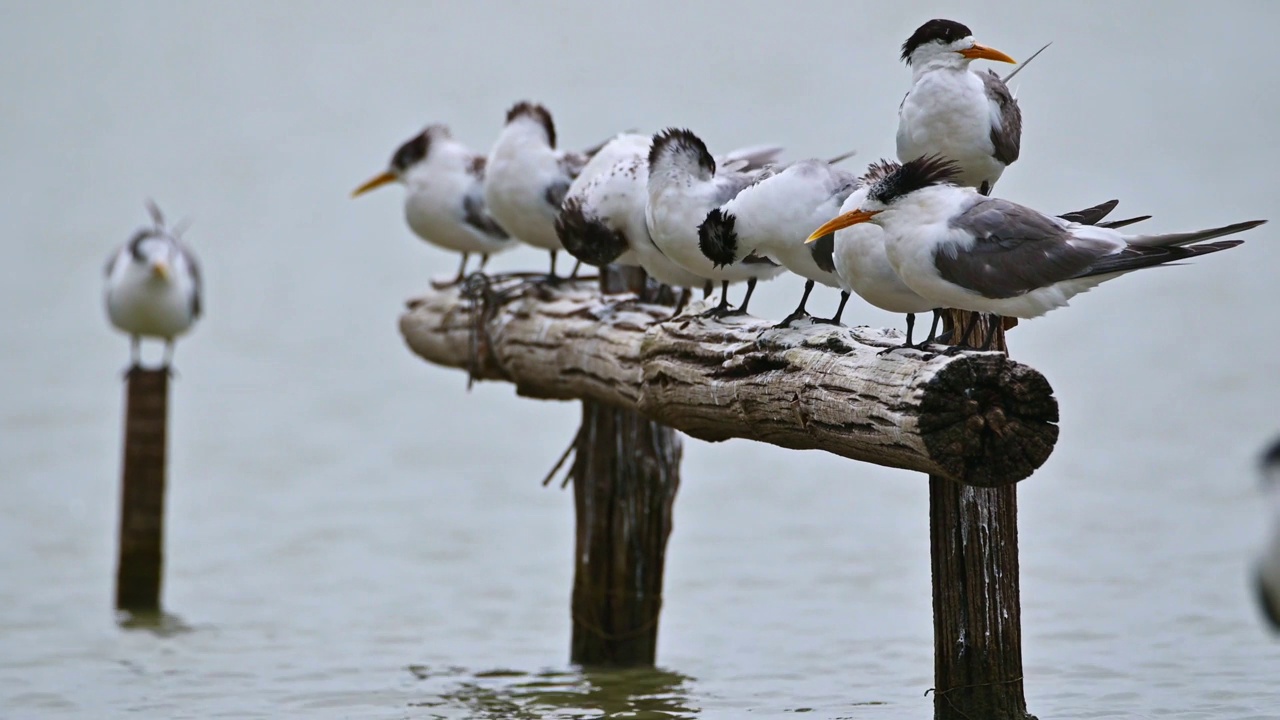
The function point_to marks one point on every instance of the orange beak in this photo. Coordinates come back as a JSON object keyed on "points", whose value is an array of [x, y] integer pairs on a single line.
{"points": [[982, 52], [374, 183], [843, 221]]}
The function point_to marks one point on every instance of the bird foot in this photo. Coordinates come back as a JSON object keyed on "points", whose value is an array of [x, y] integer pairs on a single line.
{"points": [[797, 315]]}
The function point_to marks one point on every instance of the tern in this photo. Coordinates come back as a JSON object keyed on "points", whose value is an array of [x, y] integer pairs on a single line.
{"points": [[863, 267], [153, 287], [950, 110], [1268, 569], [684, 185], [960, 249], [528, 177], [603, 217], [444, 203], [770, 217]]}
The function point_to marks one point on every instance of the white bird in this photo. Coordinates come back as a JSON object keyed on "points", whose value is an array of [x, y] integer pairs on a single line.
{"points": [[863, 267], [1268, 569], [528, 177], [770, 217], [684, 186], [602, 220], [960, 249], [153, 287], [952, 111], [444, 199]]}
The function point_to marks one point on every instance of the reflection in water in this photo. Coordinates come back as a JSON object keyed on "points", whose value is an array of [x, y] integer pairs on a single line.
{"points": [[643, 694], [160, 624]]}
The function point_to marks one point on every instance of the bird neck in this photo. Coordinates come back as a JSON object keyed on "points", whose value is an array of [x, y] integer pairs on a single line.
{"points": [[944, 61]]}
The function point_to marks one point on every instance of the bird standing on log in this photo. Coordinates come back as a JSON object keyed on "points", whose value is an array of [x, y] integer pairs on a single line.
{"points": [[444, 199], [968, 117], [683, 187], [769, 218], [153, 288], [863, 267], [958, 248], [528, 178]]}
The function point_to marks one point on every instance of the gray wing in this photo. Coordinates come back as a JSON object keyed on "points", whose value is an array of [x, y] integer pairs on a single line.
{"points": [[475, 214], [1007, 137], [823, 252], [728, 185], [1017, 250], [197, 281]]}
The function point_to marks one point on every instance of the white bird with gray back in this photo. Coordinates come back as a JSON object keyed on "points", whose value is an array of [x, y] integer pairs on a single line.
{"points": [[684, 185], [444, 195], [959, 249], [153, 287], [968, 117], [527, 177]]}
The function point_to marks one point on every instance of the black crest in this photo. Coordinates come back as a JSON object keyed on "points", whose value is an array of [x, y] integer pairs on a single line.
{"points": [[412, 152], [716, 238], [943, 31], [586, 238], [680, 140], [915, 175], [878, 171], [525, 108]]}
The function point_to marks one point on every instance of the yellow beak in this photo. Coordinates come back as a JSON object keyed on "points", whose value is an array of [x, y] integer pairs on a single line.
{"points": [[982, 52], [374, 183], [843, 221], [160, 269]]}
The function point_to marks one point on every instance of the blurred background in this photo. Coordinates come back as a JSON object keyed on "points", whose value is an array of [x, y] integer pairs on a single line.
{"points": [[353, 534]]}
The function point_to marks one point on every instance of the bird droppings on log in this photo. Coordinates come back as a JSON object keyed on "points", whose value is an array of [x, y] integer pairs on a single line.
{"points": [[978, 418]]}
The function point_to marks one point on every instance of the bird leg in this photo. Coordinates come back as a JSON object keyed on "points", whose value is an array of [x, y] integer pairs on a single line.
{"points": [[135, 355], [911, 326], [994, 323], [484, 260], [751, 287], [574, 273], [706, 289], [682, 301], [462, 269], [551, 276], [799, 312], [168, 355], [722, 309], [835, 320]]}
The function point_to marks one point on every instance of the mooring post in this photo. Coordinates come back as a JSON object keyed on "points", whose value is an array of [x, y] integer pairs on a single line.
{"points": [[625, 475], [138, 575], [977, 614]]}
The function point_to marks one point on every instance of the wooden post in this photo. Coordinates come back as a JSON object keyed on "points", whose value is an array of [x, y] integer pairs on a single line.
{"points": [[138, 575], [977, 615], [625, 475]]}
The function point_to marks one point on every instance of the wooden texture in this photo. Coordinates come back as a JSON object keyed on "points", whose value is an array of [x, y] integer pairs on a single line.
{"points": [[977, 418], [140, 568], [977, 612], [625, 475]]}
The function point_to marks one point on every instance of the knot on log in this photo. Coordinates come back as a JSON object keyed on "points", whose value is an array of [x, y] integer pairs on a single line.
{"points": [[978, 418]]}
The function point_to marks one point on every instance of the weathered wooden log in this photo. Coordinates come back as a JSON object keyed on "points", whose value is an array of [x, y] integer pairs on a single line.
{"points": [[625, 474], [141, 561], [977, 418], [977, 611]]}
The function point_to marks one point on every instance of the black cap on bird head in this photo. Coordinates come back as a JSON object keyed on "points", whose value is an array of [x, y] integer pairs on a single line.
{"points": [[416, 147], [679, 143], [941, 31], [915, 175], [526, 109]]}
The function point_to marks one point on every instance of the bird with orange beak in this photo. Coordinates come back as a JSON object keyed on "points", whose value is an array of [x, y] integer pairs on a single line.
{"points": [[968, 117], [153, 287], [444, 201]]}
